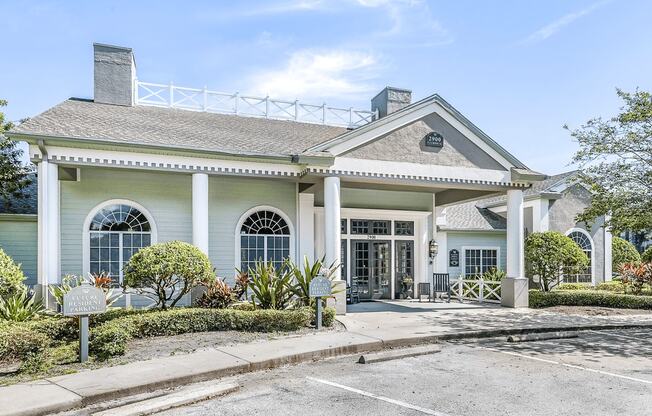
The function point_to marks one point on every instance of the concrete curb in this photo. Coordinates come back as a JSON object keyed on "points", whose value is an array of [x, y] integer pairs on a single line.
{"points": [[247, 363]]}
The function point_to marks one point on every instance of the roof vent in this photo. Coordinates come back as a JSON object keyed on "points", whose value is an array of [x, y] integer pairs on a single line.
{"points": [[390, 99], [115, 71]]}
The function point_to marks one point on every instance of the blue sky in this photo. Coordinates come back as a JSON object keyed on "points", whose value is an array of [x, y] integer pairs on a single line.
{"points": [[520, 70]]}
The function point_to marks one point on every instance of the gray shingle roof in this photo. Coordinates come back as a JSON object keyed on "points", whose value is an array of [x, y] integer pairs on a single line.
{"points": [[26, 205], [168, 127], [473, 215]]}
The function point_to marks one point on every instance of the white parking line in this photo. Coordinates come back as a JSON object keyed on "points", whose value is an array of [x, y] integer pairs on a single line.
{"points": [[617, 335], [375, 396], [578, 367]]}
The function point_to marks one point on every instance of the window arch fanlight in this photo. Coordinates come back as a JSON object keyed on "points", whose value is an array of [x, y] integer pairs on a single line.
{"points": [[116, 230], [264, 236], [583, 240]]}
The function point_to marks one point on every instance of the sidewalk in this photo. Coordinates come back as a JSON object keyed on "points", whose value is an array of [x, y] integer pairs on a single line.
{"points": [[370, 326]]}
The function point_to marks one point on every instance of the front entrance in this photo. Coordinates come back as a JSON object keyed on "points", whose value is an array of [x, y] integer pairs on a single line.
{"points": [[372, 268]]}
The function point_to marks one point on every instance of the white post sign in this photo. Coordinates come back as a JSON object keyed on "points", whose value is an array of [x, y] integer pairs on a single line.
{"points": [[319, 287], [82, 301]]}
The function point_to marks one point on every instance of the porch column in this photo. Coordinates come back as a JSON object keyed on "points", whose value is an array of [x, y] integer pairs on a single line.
{"points": [[333, 236], [306, 227], [48, 227], [608, 255], [200, 211], [515, 286], [540, 218]]}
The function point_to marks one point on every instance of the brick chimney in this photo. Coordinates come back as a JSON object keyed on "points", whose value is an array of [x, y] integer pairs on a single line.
{"points": [[390, 99], [115, 72]]}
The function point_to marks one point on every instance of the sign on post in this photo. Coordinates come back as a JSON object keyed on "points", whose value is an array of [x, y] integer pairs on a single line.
{"points": [[320, 287], [82, 301]]}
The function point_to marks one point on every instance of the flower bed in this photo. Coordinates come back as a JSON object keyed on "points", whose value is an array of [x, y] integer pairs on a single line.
{"points": [[607, 299]]}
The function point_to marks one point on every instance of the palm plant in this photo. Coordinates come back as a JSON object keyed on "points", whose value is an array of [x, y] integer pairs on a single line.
{"points": [[20, 307], [271, 287], [303, 277]]}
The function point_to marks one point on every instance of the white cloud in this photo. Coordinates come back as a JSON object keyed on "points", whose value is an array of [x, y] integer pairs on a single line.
{"points": [[555, 26], [317, 75]]}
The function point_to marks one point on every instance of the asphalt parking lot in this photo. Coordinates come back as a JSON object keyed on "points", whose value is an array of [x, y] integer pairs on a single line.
{"points": [[598, 373]]}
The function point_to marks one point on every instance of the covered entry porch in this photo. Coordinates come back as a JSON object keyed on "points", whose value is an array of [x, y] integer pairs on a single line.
{"points": [[383, 232]]}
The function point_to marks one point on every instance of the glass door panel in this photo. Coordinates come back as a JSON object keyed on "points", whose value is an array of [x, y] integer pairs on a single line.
{"points": [[372, 268], [404, 285], [361, 270], [380, 272]]}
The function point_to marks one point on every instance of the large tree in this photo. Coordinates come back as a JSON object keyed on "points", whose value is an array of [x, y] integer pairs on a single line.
{"points": [[615, 159], [13, 173]]}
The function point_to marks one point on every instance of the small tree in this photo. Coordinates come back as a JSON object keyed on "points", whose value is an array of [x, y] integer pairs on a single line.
{"points": [[14, 176], [165, 272], [11, 277], [550, 255], [622, 251]]}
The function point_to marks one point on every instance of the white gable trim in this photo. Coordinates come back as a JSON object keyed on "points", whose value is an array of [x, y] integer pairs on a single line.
{"points": [[366, 134]]}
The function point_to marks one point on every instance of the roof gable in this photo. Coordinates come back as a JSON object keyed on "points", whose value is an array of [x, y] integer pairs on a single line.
{"points": [[434, 104], [408, 144]]}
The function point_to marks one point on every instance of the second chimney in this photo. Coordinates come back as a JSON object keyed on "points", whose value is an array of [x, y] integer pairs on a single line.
{"points": [[115, 72], [390, 99]]}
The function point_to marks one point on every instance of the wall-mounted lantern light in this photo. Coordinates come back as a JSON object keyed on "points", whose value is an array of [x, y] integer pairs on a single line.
{"points": [[433, 249]]}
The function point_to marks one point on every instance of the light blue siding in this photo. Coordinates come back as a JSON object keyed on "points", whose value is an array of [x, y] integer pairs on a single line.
{"points": [[19, 239], [458, 240]]}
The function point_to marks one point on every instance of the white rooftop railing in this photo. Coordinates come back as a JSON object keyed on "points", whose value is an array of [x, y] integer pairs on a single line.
{"points": [[162, 95]]}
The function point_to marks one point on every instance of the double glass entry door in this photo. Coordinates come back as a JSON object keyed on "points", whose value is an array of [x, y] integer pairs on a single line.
{"points": [[372, 268]]}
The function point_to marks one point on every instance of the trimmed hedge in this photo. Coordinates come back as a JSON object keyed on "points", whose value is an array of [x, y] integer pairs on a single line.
{"points": [[573, 286], [606, 299], [20, 343], [111, 338]]}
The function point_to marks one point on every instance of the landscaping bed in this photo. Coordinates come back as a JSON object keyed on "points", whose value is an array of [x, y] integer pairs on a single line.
{"points": [[597, 311], [598, 298]]}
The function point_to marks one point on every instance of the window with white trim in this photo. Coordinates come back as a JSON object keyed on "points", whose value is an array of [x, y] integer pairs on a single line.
{"points": [[584, 242], [477, 261], [264, 236], [116, 233]]}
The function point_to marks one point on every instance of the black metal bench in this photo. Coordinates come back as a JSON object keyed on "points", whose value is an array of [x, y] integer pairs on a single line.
{"points": [[441, 283]]}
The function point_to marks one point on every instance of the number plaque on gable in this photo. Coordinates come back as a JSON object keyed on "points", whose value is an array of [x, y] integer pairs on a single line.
{"points": [[434, 139]]}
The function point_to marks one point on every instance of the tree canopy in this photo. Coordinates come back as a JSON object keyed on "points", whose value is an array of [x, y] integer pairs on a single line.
{"points": [[622, 251], [615, 158], [13, 174], [550, 255]]}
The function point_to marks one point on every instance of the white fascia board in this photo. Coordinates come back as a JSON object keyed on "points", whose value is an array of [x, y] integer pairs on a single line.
{"points": [[113, 158], [430, 107], [383, 167]]}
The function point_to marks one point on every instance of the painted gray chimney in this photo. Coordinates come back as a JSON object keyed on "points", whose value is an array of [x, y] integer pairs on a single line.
{"points": [[115, 72], [390, 99]]}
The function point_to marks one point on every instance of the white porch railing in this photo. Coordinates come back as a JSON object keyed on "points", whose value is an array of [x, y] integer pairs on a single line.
{"points": [[162, 95], [479, 290]]}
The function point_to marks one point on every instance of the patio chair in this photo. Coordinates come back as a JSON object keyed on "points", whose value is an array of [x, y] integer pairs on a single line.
{"points": [[441, 283], [423, 288]]}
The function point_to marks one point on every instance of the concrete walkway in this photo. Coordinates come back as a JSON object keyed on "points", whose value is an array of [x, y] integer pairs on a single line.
{"points": [[370, 326]]}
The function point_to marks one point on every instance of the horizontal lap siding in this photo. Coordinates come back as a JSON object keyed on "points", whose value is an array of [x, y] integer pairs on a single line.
{"points": [[167, 196], [228, 199], [473, 239], [19, 239]]}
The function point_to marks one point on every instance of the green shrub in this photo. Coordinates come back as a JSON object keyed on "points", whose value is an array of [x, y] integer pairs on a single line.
{"points": [[111, 337], [19, 343], [494, 274], [243, 306], [20, 306], [622, 252], [551, 254], [573, 286], [539, 299], [647, 255], [11, 277], [218, 294], [327, 316], [305, 274], [165, 272], [271, 287], [612, 286]]}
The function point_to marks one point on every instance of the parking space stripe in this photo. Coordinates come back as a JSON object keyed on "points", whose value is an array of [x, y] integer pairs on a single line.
{"points": [[617, 335], [578, 367], [375, 396]]}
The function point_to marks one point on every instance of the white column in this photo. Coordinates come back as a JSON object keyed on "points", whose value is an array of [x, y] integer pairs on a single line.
{"points": [[48, 227], [540, 221], [200, 211], [515, 285], [333, 236], [608, 254], [306, 227]]}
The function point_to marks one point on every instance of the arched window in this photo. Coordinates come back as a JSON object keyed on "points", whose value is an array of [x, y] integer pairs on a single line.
{"points": [[264, 236], [115, 233], [584, 242]]}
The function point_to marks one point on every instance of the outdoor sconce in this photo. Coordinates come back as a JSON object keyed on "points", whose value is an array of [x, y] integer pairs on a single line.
{"points": [[433, 249]]}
